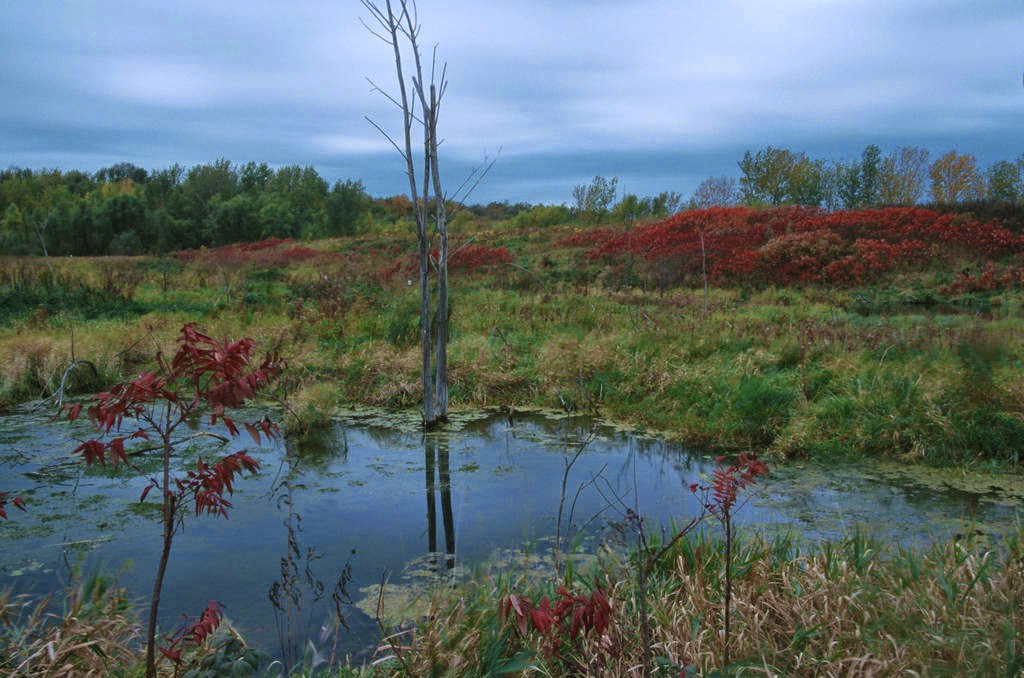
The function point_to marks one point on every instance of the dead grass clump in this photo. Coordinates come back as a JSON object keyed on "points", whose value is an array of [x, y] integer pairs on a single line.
{"points": [[568, 359], [852, 610], [94, 634], [855, 608]]}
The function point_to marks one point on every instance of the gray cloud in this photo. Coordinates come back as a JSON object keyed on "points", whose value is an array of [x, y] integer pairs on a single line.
{"points": [[658, 93]]}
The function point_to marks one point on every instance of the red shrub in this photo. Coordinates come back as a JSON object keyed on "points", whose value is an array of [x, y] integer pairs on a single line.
{"points": [[799, 245]]}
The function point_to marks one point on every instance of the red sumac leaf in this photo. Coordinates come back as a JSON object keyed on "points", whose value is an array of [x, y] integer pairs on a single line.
{"points": [[253, 431], [173, 655], [116, 449], [92, 451]]}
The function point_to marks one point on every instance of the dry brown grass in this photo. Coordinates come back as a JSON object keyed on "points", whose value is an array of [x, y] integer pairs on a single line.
{"points": [[92, 636], [843, 611]]}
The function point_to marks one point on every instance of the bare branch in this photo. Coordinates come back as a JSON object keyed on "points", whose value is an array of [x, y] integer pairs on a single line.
{"points": [[374, 33], [480, 172], [377, 89], [388, 137]]}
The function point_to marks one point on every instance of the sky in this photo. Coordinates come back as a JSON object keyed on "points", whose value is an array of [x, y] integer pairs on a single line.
{"points": [[659, 93]]}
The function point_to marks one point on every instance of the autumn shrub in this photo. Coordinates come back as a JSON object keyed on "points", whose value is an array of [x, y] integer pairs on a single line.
{"points": [[204, 377], [787, 246]]}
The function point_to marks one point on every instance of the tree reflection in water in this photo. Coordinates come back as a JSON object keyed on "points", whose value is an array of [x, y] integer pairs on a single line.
{"points": [[439, 481]]}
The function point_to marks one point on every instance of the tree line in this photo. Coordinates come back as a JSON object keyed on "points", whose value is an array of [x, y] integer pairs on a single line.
{"points": [[904, 177], [125, 209]]}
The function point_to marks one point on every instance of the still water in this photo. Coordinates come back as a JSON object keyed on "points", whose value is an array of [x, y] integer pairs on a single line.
{"points": [[373, 492]]}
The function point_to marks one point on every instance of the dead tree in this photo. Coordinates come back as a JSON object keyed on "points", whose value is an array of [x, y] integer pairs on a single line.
{"points": [[397, 25]]}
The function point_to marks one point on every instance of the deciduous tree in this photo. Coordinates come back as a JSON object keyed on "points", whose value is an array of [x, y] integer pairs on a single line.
{"points": [[903, 175], [593, 201], [205, 377], [955, 178], [715, 192], [1005, 181]]}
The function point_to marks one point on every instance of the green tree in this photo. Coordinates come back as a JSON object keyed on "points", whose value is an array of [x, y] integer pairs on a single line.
{"points": [[14, 231], [809, 182], [870, 176], [848, 184], [665, 204], [277, 218], [235, 220], [118, 218], [79, 184], [164, 188], [1005, 183], [766, 176], [347, 207], [253, 178], [59, 228], [304, 192], [202, 185], [593, 201], [541, 216], [122, 171]]}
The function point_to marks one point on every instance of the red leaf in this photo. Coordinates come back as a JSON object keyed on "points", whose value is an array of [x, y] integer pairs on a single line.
{"points": [[253, 431], [92, 451], [19, 502], [542, 616], [116, 448], [173, 655]]}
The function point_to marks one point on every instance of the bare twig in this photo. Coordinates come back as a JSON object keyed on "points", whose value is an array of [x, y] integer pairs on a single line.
{"points": [[568, 463]]}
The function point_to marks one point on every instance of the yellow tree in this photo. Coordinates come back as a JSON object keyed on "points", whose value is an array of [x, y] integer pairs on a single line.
{"points": [[902, 176], [955, 178]]}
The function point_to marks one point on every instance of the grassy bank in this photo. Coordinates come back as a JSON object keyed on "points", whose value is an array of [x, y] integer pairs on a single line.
{"points": [[854, 607], [816, 346], [908, 366]]}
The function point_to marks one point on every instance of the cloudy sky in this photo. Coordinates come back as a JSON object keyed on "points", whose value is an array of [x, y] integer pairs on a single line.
{"points": [[660, 93]]}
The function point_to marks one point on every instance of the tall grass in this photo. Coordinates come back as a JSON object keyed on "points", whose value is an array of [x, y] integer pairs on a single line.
{"points": [[801, 371], [94, 634], [853, 607]]}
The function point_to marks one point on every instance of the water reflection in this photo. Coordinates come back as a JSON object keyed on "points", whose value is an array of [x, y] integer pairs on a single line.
{"points": [[362, 483], [437, 469]]}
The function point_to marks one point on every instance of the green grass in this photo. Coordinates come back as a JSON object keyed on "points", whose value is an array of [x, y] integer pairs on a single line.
{"points": [[890, 371]]}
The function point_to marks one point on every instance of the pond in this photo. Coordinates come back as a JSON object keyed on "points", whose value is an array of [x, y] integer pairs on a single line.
{"points": [[373, 492]]}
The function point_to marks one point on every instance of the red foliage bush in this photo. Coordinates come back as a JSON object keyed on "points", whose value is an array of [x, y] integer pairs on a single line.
{"points": [[800, 245], [270, 253], [467, 257], [564, 621], [990, 279]]}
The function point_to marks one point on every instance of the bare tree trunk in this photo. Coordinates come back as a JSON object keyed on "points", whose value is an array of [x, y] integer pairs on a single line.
{"points": [[397, 28], [441, 378], [165, 554]]}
